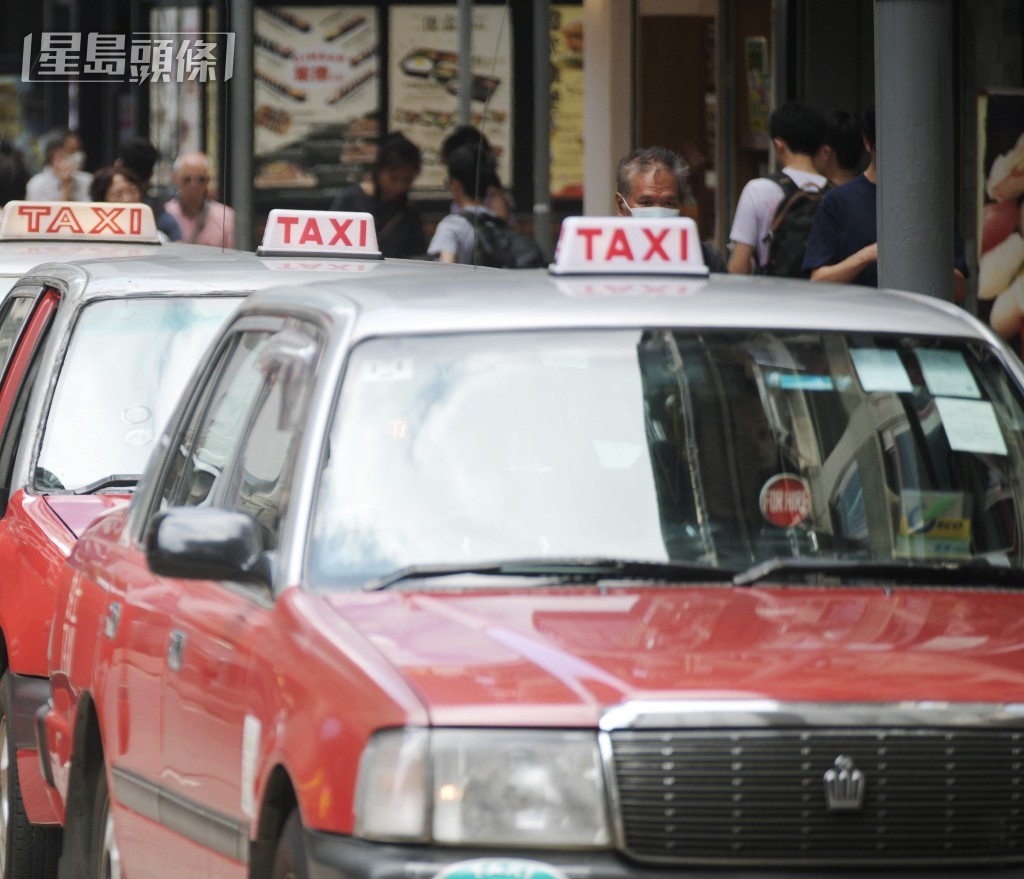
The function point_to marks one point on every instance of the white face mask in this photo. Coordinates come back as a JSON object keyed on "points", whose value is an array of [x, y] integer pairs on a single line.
{"points": [[76, 160], [653, 211]]}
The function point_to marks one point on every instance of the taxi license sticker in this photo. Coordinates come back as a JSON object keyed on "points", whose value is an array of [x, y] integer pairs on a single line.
{"points": [[880, 370], [628, 245], [947, 374], [500, 868], [971, 426], [785, 500], [78, 221], [323, 233]]}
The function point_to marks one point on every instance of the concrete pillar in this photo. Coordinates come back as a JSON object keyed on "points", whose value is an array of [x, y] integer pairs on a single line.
{"points": [[240, 138], [915, 138], [608, 98], [542, 125]]}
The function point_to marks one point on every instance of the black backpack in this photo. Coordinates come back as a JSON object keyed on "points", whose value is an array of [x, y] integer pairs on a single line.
{"points": [[791, 226], [500, 246]]}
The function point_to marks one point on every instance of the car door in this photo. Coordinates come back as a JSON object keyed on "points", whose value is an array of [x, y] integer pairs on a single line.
{"points": [[153, 805], [235, 450], [219, 624]]}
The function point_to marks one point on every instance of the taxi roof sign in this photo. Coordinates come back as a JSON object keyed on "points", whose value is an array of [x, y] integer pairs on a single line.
{"points": [[78, 221], [325, 233], [629, 246]]}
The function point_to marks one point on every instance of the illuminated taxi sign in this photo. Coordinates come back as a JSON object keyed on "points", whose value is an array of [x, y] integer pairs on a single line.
{"points": [[78, 221], [325, 233], [629, 245]]}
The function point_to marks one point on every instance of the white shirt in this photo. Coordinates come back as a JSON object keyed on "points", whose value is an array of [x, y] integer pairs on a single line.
{"points": [[45, 186], [756, 208]]}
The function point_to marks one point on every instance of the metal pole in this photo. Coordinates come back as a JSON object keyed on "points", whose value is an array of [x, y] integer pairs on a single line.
{"points": [[914, 125], [240, 137], [542, 125], [465, 11]]}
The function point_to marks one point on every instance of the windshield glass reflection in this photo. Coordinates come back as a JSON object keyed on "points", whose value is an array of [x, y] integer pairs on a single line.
{"points": [[126, 365], [721, 448]]}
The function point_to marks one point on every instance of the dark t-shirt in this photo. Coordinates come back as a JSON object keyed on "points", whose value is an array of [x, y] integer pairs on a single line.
{"points": [[843, 224], [846, 221], [399, 237]]}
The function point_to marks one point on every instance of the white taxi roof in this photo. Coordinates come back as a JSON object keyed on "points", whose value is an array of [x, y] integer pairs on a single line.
{"points": [[125, 222], [629, 246], [306, 234]]}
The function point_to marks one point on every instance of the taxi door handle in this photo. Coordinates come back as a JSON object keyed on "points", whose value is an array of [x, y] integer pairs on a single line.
{"points": [[174, 650], [113, 619]]}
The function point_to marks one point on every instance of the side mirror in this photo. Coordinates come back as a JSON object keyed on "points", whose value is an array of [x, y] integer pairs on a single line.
{"points": [[206, 543]]}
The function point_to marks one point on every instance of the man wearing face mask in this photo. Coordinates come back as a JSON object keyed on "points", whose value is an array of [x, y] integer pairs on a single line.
{"points": [[650, 183], [63, 178]]}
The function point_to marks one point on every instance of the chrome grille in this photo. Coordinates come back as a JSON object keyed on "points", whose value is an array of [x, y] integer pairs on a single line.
{"points": [[733, 796]]}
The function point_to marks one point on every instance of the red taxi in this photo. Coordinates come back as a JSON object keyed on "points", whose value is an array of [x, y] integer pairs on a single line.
{"points": [[94, 356], [596, 572]]}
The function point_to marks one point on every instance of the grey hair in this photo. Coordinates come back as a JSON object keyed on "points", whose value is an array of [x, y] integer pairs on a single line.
{"points": [[645, 159], [184, 157]]}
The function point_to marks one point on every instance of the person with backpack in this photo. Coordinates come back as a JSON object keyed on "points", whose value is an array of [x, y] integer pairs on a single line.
{"points": [[650, 182], [474, 234], [774, 214]]}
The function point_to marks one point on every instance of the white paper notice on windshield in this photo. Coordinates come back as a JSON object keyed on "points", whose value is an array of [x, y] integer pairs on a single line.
{"points": [[881, 370], [947, 374], [971, 426]]}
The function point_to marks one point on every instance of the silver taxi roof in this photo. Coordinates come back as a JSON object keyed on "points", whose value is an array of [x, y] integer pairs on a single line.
{"points": [[205, 269], [18, 256], [533, 299]]}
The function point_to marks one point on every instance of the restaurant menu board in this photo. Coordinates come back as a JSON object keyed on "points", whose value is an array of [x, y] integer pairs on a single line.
{"points": [[423, 81], [566, 101], [317, 95]]}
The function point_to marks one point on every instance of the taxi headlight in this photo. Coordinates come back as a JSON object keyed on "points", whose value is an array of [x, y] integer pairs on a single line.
{"points": [[484, 787]]}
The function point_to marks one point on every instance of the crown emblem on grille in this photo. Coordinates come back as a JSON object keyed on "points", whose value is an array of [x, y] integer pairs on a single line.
{"points": [[844, 786]]}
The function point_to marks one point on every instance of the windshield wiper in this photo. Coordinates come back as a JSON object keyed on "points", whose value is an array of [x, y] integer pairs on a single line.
{"points": [[115, 480], [563, 570], [976, 572]]}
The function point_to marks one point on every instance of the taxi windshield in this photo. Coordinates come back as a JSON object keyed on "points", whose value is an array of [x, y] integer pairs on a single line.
{"points": [[127, 363], [721, 448]]}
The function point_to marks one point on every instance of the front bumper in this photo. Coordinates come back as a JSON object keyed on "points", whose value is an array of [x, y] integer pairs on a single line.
{"points": [[340, 857]]}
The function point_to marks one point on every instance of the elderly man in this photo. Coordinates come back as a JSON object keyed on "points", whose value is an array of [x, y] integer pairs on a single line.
{"points": [[202, 219], [650, 183]]}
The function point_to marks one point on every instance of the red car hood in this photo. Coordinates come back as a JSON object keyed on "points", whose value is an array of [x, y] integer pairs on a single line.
{"points": [[561, 657], [78, 511]]}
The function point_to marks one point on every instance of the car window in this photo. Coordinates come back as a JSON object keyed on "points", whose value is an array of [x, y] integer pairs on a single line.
{"points": [[263, 471], [104, 418], [722, 448], [13, 314], [205, 443]]}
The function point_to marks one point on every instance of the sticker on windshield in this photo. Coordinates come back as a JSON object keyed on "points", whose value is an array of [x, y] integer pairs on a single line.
{"points": [[881, 370], [933, 525], [799, 381], [971, 426], [393, 369], [785, 500], [947, 374]]}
